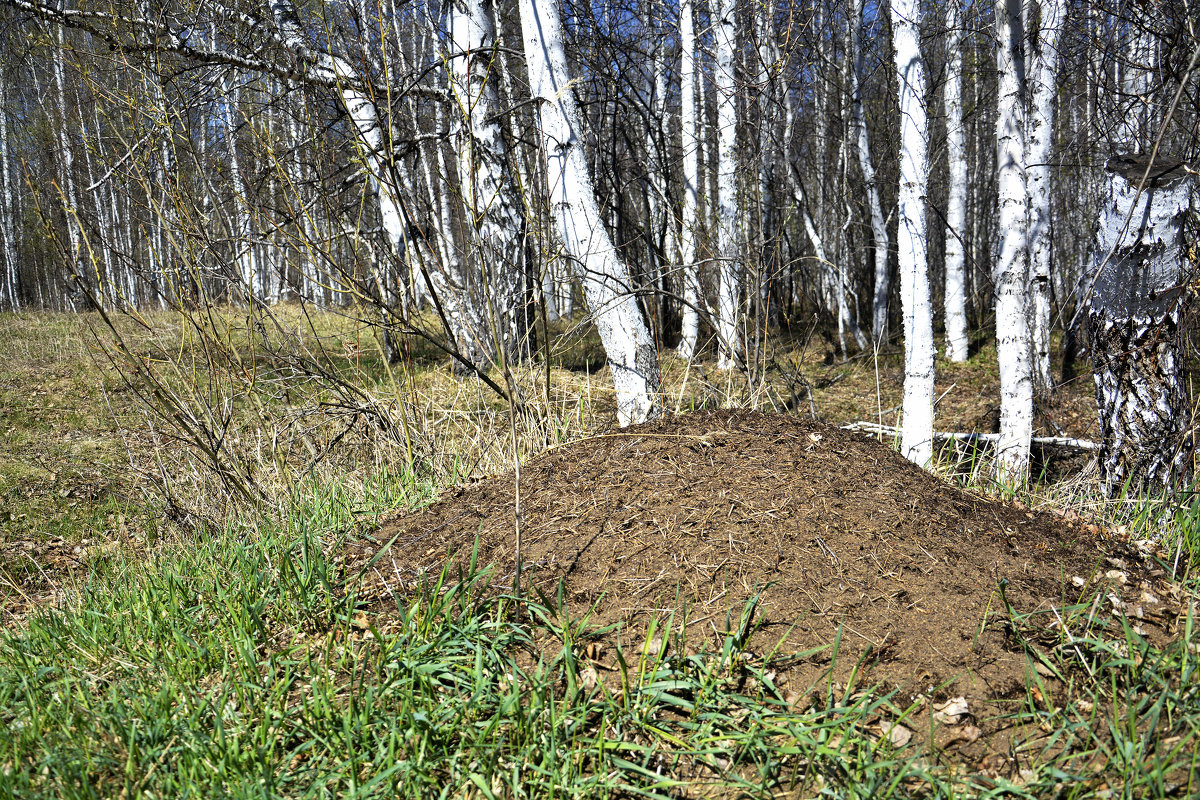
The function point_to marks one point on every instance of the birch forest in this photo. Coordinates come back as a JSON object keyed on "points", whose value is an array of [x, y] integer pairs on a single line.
{"points": [[693, 178]]}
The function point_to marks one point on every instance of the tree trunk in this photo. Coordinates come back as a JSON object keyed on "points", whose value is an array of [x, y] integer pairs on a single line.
{"points": [[246, 263], [731, 265], [10, 296], [917, 440], [363, 116], [493, 210], [1011, 273], [1133, 321], [878, 222], [690, 326], [67, 172], [956, 202], [1043, 79], [1141, 271], [631, 352]]}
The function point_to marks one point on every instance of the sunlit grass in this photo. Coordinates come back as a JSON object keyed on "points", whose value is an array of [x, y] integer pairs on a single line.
{"points": [[200, 646]]}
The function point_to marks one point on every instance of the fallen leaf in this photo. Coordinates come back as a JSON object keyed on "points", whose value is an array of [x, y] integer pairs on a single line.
{"points": [[951, 712], [898, 735]]}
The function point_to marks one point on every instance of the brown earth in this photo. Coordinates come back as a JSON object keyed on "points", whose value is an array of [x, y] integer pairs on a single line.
{"points": [[834, 529]]}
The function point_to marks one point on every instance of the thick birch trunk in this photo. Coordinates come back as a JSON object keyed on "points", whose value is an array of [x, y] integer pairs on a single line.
{"points": [[690, 326], [1011, 273], [1133, 317], [956, 201], [1133, 321], [1044, 69], [631, 352], [878, 221], [729, 289], [916, 442]]}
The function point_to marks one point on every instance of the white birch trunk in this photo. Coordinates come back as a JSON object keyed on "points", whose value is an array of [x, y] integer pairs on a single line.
{"points": [[1011, 273], [1133, 319], [363, 115], [690, 327], [247, 265], [730, 284], [1043, 78], [916, 442], [874, 204], [70, 197], [1147, 437], [631, 352], [956, 201], [494, 212], [9, 296]]}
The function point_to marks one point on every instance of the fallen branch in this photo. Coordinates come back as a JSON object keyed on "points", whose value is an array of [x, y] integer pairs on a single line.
{"points": [[976, 438]]}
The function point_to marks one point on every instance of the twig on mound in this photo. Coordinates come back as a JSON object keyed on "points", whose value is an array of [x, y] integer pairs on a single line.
{"points": [[976, 438]]}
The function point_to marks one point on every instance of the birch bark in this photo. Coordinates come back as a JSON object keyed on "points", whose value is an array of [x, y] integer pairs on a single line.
{"points": [[1043, 79], [956, 202], [363, 115], [690, 324], [245, 259], [493, 210], [631, 352], [67, 173], [1011, 272], [10, 297], [1134, 311], [1133, 323], [878, 222], [731, 268], [917, 439]]}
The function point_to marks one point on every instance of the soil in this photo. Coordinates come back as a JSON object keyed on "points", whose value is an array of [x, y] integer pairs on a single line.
{"points": [[835, 530]]}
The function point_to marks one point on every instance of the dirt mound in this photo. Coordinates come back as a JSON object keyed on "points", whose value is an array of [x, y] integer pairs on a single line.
{"points": [[835, 529]]}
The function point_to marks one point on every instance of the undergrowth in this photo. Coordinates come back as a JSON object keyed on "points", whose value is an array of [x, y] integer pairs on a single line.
{"points": [[244, 664], [227, 653]]}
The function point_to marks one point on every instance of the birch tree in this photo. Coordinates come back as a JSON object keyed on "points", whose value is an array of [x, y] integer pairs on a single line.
{"points": [[878, 223], [956, 202], [1134, 312], [627, 343], [67, 163], [10, 296], [730, 272], [1042, 85], [917, 439], [493, 209], [1011, 272], [245, 259], [690, 214]]}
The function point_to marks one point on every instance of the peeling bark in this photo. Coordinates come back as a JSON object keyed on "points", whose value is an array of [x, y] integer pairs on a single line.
{"points": [[1133, 322]]}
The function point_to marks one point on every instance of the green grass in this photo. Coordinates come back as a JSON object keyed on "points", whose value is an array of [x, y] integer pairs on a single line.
{"points": [[242, 663], [233, 654]]}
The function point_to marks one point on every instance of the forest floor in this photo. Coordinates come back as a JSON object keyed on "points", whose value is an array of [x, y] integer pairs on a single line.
{"points": [[748, 602]]}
